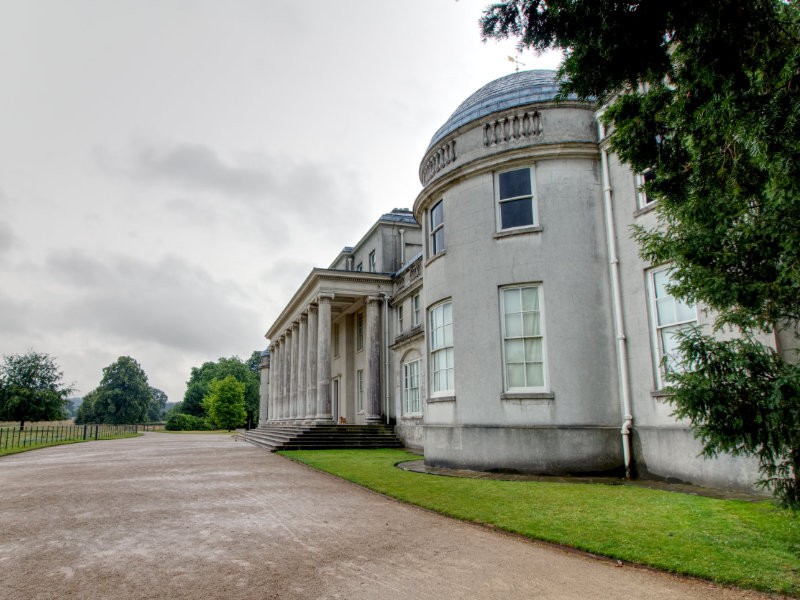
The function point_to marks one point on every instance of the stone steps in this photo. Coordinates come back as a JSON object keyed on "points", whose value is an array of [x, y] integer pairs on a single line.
{"points": [[322, 437]]}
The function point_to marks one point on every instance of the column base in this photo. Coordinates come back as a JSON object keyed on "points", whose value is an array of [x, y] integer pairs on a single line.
{"points": [[374, 420], [323, 419]]}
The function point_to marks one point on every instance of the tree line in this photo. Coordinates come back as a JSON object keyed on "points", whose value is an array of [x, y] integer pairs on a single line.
{"points": [[221, 394]]}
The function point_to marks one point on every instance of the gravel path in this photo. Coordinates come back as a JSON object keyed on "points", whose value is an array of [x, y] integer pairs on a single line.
{"points": [[203, 516]]}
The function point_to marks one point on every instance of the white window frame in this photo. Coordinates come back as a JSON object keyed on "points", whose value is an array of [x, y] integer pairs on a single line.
{"points": [[416, 310], [412, 388], [642, 199], [359, 331], [360, 390], [499, 202], [434, 230], [507, 338], [441, 348], [399, 319], [373, 265], [360, 267], [659, 328]]}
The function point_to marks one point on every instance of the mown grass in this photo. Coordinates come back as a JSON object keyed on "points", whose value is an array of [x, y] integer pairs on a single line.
{"points": [[38, 445], [752, 545]]}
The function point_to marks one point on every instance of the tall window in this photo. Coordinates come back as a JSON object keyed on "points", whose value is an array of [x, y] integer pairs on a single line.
{"points": [[411, 396], [515, 199], [436, 229], [642, 178], [670, 316], [523, 338], [372, 264], [416, 310], [400, 318], [360, 390], [336, 339], [359, 332], [360, 266], [441, 336]]}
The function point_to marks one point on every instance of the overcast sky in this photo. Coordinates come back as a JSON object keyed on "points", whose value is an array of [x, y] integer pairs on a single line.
{"points": [[170, 171]]}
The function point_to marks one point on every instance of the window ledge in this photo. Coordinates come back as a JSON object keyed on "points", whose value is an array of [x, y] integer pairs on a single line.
{"points": [[536, 396], [660, 394], [435, 257], [644, 209], [441, 399], [518, 231]]}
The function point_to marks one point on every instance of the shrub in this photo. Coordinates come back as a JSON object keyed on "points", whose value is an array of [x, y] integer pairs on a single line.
{"points": [[180, 422]]}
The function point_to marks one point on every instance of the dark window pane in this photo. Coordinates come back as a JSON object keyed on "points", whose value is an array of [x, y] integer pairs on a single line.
{"points": [[437, 215], [515, 183], [438, 241], [516, 213]]}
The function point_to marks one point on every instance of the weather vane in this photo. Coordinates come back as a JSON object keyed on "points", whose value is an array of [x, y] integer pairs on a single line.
{"points": [[516, 62]]}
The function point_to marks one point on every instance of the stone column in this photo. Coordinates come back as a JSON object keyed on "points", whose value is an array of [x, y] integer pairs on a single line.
{"points": [[277, 380], [324, 359], [373, 372], [302, 357], [263, 390], [273, 358], [286, 368], [293, 372], [311, 364]]}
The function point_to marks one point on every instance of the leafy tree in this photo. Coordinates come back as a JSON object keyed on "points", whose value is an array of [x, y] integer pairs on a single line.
{"points": [[254, 362], [123, 395], [197, 387], [86, 413], [32, 388], [706, 94], [158, 404], [225, 403]]}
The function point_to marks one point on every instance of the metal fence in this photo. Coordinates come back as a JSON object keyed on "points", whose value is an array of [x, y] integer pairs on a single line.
{"points": [[14, 437]]}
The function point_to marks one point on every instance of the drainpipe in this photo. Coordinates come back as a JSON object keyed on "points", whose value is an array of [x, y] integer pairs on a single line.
{"points": [[402, 248], [616, 300], [386, 356]]}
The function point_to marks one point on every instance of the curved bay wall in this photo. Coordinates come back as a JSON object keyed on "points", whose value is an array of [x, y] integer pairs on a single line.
{"points": [[572, 425]]}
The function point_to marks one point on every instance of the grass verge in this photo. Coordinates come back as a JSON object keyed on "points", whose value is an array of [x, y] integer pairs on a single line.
{"points": [[746, 544], [36, 446]]}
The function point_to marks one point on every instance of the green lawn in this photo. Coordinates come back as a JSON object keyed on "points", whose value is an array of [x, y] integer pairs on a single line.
{"points": [[747, 544]]}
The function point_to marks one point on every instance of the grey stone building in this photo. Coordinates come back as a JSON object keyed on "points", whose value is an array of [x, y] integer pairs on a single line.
{"points": [[507, 322]]}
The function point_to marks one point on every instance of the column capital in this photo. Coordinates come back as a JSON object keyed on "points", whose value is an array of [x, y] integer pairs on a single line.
{"points": [[312, 308], [325, 297], [303, 317], [375, 298]]}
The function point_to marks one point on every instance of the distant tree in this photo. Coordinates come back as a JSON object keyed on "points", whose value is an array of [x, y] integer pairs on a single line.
{"points": [[123, 395], [254, 363], [85, 413], [704, 97], [224, 403], [156, 410], [197, 387], [32, 388]]}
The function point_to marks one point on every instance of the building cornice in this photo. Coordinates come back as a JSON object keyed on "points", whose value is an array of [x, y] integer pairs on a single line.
{"points": [[505, 159], [328, 281]]}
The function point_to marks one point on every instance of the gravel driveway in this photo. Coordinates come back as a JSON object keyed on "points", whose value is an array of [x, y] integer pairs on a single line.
{"points": [[203, 516]]}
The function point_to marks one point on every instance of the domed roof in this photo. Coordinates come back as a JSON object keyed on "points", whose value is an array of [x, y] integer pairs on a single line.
{"points": [[517, 89]]}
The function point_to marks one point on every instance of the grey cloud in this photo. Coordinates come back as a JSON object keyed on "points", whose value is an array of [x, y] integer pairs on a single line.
{"points": [[172, 303], [198, 167], [7, 237]]}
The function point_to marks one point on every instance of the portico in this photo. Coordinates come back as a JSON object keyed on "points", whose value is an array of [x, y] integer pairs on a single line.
{"points": [[326, 351]]}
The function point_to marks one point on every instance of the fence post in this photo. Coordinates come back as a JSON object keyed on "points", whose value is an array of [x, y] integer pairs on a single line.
{"points": [[96, 432]]}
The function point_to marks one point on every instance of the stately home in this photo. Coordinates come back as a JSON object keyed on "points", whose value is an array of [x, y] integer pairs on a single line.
{"points": [[507, 321]]}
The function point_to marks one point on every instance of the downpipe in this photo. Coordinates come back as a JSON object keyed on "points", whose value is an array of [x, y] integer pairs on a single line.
{"points": [[616, 300]]}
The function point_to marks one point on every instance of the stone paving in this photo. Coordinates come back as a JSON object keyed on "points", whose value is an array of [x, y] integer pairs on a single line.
{"points": [[203, 516]]}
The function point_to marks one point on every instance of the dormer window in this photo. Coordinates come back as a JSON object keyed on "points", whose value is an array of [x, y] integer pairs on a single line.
{"points": [[372, 264]]}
